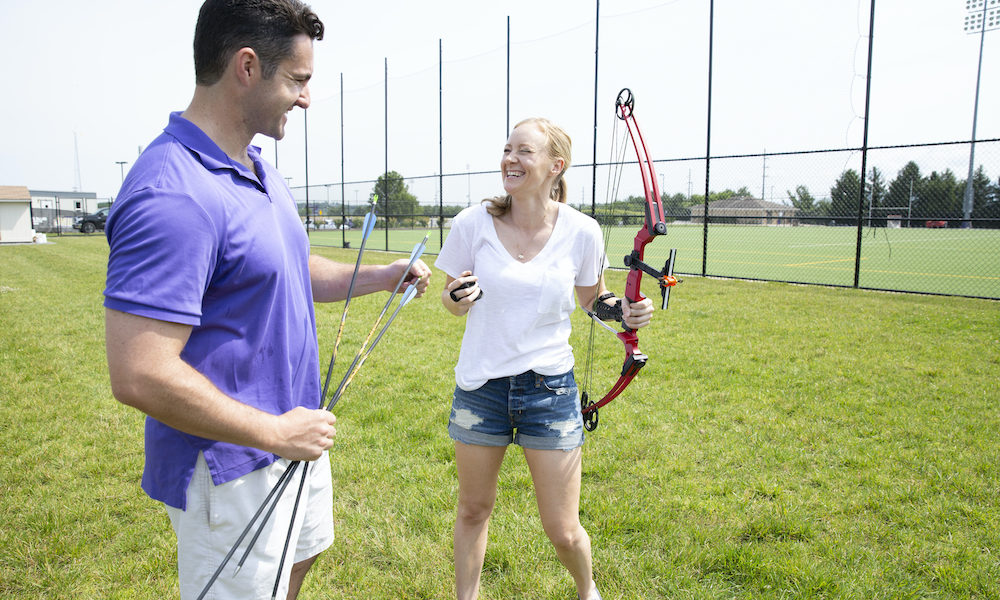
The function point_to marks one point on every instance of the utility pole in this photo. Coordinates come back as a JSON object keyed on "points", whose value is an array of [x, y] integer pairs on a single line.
{"points": [[763, 175]]}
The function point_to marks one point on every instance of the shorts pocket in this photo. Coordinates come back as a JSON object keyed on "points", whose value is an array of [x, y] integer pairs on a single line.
{"points": [[560, 385]]}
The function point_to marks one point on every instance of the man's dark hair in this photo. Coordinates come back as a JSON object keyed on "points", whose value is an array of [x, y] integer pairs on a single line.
{"points": [[266, 26]]}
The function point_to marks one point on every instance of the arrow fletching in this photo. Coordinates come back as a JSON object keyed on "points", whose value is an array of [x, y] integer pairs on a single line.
{"points": [[408, 295], [368, 225], [418, 249]]}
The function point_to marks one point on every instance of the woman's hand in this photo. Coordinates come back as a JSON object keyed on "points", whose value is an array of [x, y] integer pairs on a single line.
{"points": [[465, 296], [637, 314]]}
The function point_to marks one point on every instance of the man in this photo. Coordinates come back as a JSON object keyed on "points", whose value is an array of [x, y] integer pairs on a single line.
{"points": [[210, 328]]}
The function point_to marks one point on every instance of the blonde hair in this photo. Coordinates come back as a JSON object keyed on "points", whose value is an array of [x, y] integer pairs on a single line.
{"points": [[557, 145]]}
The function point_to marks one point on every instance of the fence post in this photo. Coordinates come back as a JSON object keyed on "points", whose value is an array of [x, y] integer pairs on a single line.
{"points": [[708, 141], [864, 149]]}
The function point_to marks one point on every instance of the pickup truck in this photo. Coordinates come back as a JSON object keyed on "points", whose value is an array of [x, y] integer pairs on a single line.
{"points": [[92, 222]]}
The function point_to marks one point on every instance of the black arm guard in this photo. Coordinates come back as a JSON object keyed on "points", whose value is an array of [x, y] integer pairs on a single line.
{"points": [[608, 312]]}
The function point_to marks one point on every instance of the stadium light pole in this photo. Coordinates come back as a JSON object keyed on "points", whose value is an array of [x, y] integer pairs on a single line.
{"points": [[981, 16], [121, 166]]}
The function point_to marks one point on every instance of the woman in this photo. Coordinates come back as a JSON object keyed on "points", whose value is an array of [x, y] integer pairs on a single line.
{"points": [[529, 250]]}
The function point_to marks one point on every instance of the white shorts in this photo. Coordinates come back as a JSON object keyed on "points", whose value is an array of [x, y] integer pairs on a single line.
{"points": [[217, 515]]}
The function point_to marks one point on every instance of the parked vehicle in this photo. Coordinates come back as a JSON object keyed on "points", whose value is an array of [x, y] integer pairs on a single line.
{"points": [[92, 222], [936, 224]]}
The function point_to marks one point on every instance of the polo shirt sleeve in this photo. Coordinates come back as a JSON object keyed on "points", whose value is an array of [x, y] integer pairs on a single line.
{"points": [[163, 250]]}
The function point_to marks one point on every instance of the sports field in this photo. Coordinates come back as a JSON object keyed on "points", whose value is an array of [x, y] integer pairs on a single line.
{"points": [[963, 262], [783, 442]]}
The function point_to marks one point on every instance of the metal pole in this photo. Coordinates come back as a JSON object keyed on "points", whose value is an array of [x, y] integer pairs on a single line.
{"points": [[763, 176], [909, 206], [385, 177], [593, 177], [121, 166], [967, 203], [864, 147], [507, 130], [305, 128], [708, 141], [441, 142], [343, 211]]}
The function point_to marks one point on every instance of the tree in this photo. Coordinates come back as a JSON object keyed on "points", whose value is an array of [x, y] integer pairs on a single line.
{"points": [[904, 188], [807, 204], [675, 206], [449, 210], [940, 197], [844, 197], [874, 198], [981, 188], [395, 202], [802, 200], [990, 208], [877, 190]]}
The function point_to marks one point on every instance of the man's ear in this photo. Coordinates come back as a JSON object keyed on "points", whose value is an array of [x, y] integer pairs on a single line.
{"points": [[246, 65]]}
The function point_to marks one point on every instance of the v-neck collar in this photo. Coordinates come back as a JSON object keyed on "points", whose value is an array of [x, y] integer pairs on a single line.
{"points": [[545, 247]]}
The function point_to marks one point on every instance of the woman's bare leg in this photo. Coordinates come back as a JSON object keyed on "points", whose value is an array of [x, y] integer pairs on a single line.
{"points": [[478, 468], [556, 476]]}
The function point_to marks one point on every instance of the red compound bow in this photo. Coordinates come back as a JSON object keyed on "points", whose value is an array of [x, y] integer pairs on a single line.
{"points": [[653, 226]]}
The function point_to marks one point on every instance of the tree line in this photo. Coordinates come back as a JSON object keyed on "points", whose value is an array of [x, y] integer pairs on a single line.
{"points": [[910, 197]]}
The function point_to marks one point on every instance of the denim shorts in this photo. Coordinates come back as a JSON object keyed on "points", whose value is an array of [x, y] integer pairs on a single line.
{"points": [[535, 411]]}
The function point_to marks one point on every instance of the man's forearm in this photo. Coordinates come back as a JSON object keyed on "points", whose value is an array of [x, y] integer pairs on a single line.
{"points": [[331, 280], [147, 373]]}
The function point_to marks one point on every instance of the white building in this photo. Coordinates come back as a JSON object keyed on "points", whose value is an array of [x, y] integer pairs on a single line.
{"points": [[54, 211], [15, 215]]}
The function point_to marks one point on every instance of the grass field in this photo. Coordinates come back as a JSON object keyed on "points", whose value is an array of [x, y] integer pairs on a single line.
{"points": [[783, 442], [963, 262]]}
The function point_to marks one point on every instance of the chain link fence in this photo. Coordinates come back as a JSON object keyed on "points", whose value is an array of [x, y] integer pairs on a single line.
{"points": [[800, 217]]}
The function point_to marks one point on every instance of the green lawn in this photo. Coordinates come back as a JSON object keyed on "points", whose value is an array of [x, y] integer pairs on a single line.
{"points": [[964, 262], [783, 442]]}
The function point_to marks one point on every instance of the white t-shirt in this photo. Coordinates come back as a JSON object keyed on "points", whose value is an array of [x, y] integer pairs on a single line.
{"points": [[522, 321]]}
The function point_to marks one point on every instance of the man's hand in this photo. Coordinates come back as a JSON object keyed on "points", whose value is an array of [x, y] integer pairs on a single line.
{"points": [[419, 275], [304, 434]]}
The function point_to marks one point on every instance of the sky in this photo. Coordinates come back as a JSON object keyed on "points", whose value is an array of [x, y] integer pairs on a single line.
{"points": [[88, 84]]}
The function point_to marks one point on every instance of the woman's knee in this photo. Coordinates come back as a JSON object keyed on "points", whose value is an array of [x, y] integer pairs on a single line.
{"points": [[568, 536], [474, 511]]}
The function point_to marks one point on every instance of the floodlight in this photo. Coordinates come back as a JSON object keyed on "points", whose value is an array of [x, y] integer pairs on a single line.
{"points": [[983, 15]]}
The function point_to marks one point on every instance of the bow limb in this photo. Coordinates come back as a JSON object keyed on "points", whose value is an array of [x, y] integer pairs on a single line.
{"points": [[634, 361], [655, 223]]}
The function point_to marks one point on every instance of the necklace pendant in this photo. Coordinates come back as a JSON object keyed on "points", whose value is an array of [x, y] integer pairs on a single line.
{"points": [[520, 257]]}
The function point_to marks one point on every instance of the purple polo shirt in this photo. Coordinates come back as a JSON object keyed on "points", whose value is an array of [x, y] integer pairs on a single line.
{"points": [[198, 239]]}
